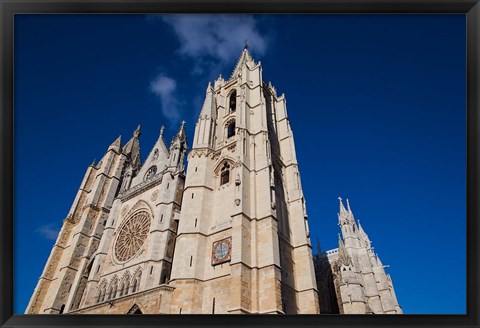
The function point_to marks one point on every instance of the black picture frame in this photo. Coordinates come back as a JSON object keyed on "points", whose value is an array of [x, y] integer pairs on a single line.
{"points": [[8, 8]]}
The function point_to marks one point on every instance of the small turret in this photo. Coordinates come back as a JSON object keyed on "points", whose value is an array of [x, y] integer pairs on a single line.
{"points": [[178, 147]]}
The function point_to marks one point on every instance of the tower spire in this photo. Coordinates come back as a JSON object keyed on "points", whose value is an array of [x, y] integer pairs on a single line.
{"points": [[136, 133], [343, 212], [132, 147], [116, 145], [350, 213], [242, 60]]}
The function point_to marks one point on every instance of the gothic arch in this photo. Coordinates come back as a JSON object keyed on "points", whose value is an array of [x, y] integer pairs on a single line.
{"points": [[124, 283], [218, 166], [229, 128], [135, 309], [140, 205], [232, 101], [101, 291], [113, 288], [135, 283]]}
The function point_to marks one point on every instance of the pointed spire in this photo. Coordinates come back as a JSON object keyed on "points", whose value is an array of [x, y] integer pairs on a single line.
{"points": [[244, 57], [161, 139], [350, 216], [319, 249], [180, 136], [209, 105], [132, 147], [181, 131], [136, 133], [343, 212], [116, 145], [342, 208]]}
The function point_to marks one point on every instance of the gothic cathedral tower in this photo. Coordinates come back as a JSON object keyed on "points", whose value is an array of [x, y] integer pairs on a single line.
{"points": [[243, 242], [116, 245]]}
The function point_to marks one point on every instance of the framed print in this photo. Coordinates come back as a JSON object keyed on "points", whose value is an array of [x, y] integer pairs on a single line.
{"points": [[152, 166]]}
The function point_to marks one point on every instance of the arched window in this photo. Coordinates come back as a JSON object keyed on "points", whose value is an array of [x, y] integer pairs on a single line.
{"points": [[101, 294], [122, 287], [127, 285], [62, 309], [135, 285], [232, 102], [225, 174], [136, 282], [231, 129]]}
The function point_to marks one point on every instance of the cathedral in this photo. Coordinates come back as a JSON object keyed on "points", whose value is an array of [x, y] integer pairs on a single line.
{"points": [[227, 236]]}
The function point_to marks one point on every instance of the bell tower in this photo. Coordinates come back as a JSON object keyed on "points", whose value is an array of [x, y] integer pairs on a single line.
{"points": [[243, 244]]}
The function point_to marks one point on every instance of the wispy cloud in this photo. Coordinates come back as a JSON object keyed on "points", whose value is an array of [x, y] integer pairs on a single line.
{"points": [[49, 231], [215, 40], [165, 87]]}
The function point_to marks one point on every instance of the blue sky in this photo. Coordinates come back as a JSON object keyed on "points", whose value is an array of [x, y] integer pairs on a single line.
{"points": [[376, 104]]}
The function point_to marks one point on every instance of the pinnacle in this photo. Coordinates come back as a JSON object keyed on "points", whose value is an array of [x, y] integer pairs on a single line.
{"points": [[117, 144], [343, 211], [136, 133]]}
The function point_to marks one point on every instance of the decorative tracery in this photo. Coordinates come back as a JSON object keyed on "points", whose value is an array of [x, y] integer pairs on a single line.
{"points": [[132, 235]]}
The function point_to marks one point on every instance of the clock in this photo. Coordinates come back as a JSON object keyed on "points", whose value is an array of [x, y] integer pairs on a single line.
{"points": [[222, 251]]}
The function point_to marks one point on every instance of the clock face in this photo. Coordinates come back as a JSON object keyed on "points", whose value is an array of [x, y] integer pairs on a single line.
{"points": [[221, 251]]}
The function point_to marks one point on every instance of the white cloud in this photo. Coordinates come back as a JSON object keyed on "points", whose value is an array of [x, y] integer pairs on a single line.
{"points": [[48, 231], [215, 39], [164, 87]]}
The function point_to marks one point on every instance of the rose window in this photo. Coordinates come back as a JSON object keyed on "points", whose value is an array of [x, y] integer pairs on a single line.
{"points": [[132, 235]]}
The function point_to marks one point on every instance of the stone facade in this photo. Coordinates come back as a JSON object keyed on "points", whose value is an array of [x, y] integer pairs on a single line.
{"points": [[351, 279], [230, 235]]}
